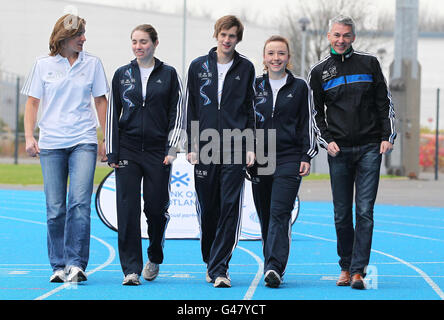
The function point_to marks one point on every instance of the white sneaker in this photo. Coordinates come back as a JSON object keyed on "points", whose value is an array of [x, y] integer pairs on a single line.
{"points": [[150, 271], [131, 279], [222, 282], [208, 278], [76, 275], [272, 279], [58, 276]]}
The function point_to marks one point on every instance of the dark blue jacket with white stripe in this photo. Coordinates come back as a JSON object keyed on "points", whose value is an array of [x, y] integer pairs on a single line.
{"points": [[291, 118], [352, 102], [236, 109], [152, 124]]}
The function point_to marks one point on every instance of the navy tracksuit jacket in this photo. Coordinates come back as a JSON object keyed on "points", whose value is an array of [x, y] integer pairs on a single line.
{"points": [[219, 187], [139, 134], [274, 195]]}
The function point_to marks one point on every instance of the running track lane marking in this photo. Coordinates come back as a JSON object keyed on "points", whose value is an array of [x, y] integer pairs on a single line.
{"points": [[111, 257], [257, 278], [434, 286]]}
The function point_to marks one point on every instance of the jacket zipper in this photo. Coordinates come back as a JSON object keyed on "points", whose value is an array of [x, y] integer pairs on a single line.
{"points": [[143, 131], [143, 108]]}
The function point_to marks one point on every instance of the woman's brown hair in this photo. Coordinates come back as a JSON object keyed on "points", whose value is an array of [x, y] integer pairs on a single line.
{"points": [[148, 29], [66, 27], [279, 39]]}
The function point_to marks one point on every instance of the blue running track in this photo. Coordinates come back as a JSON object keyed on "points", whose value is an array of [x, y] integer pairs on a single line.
{"points": [[407, 261]]}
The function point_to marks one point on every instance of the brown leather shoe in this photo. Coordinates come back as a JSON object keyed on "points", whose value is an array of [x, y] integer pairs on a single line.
{"points": [[344, 279], [357, 282]]}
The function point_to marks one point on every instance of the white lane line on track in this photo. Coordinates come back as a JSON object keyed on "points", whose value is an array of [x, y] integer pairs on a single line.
{"points": [[429, 281], [422, 273], [39, 211], [377, 216], [111, 257], [250, 292], [378, 231]]}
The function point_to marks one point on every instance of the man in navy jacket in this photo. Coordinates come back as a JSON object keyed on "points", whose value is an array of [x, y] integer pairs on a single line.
{"points": [[355, 122], [219, 99]]}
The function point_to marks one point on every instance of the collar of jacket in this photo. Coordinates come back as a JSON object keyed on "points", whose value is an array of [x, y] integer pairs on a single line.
{"points": [[157, 63], [290, 77], [344, 56], [213, 56]]}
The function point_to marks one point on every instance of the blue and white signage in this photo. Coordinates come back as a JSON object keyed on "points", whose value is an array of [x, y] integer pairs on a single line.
{"points": [[183, 222]]}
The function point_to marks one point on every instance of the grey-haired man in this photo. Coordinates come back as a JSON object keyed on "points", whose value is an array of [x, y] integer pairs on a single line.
{"points": [[354, 118]]}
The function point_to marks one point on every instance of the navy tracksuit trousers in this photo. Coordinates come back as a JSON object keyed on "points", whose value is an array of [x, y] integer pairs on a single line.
{"points": [[219, 189], [156, 176], [274, 197]]}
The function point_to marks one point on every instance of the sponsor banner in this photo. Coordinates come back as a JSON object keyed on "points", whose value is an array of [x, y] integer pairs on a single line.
{"points": [[183, 223]]}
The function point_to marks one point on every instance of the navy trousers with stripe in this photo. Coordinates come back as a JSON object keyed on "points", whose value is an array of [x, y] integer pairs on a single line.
{"points": [[219, 189], [274, 197], [149, 167]]}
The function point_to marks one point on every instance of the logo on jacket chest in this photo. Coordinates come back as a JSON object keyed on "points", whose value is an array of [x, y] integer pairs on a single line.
{"points": [[262, 94], [329, 74], [205, 75], [54, 75], [127, 82]]}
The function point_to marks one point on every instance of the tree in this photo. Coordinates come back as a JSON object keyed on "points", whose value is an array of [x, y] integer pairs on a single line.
{"points": [[319, 12]]}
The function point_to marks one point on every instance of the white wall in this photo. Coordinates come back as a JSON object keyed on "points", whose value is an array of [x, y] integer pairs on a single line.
{"points": [[25, 27]]}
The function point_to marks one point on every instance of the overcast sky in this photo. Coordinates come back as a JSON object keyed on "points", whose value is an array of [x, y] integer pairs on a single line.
{"points": [[256, 7]]}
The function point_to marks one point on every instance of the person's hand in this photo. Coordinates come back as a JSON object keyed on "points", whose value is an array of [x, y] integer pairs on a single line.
{"points": [[168, 160], [333, 149], [32, 147], [304, 169], [102, 152], [192, 158], [251, 157], [114, 165], [386, 147]]}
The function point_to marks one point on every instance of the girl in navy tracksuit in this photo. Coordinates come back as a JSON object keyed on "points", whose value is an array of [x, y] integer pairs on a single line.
{"points": [[283, 103], [143, 126]]}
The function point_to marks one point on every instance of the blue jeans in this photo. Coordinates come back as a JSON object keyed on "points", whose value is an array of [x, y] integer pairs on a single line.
{"points": [[355, 168], [68, 233]]}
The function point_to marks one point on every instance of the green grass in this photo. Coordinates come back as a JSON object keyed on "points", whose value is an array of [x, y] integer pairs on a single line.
{"points": [[31, 174]]}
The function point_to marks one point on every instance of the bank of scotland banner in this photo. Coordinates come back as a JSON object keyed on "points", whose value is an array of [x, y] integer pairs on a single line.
{"points": [[183, 223]]}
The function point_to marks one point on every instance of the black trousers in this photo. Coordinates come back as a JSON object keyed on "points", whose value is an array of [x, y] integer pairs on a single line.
{"points": [[274, 197], [156, 176], [219, 190]]}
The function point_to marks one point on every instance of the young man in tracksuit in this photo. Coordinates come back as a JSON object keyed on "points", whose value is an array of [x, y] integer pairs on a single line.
{"points": [[355, 123], [144, 120], [283, 104], [220, 95]]}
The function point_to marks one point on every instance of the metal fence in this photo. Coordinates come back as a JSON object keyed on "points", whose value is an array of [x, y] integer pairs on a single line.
{"points": [[12, 109]]}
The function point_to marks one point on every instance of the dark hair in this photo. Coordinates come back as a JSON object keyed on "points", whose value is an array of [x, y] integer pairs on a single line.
{"points": [[227, 22], [66, 27], [148, 29]]}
